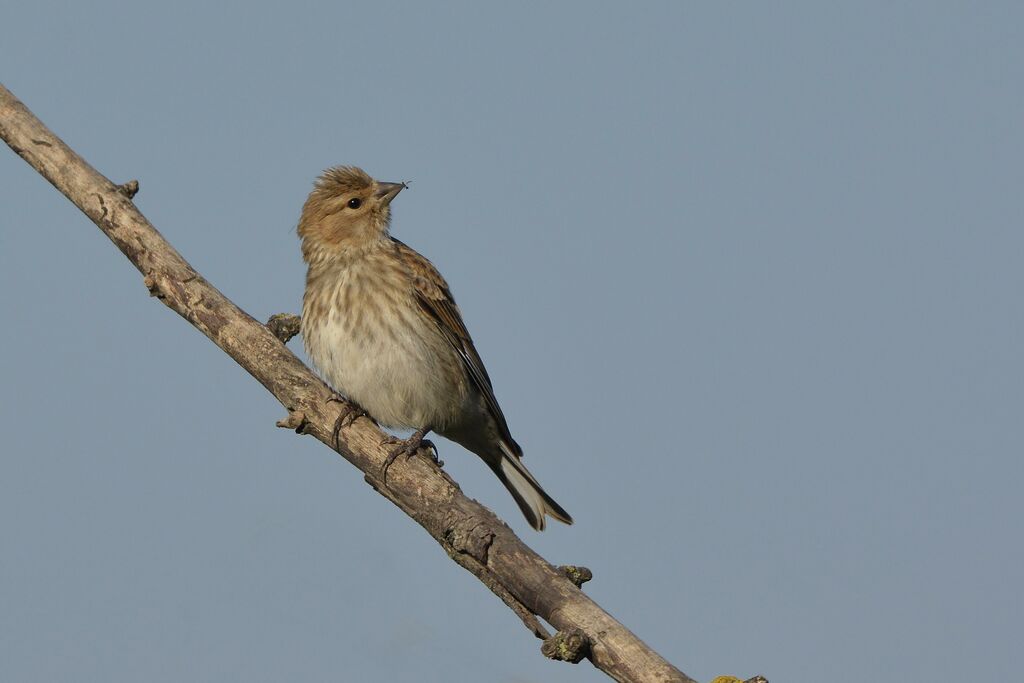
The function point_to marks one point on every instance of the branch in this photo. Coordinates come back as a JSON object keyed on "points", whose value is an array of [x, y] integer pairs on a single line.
{"points": [[470, 533]]}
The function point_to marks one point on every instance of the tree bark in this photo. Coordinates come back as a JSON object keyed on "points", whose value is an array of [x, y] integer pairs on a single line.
{"points": [[470, 533]]}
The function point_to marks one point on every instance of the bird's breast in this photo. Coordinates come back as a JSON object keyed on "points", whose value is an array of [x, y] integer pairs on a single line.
{"points": [[367, 335]]}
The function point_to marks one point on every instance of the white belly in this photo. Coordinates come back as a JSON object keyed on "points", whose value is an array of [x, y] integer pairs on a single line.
{"points": [[404, 375]]}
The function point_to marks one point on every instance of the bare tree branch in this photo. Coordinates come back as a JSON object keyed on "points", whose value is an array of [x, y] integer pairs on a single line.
{"points": [[470, 533]]}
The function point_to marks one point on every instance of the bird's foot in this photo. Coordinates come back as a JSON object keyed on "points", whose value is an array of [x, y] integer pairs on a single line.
{"points": [[408, 448], [350, 412]]}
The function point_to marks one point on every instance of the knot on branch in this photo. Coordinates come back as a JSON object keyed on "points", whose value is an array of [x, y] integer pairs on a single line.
{"points": [[566, 646], [284, 326], [153, 286], [469, 536], [578, 575], [129, 189]]}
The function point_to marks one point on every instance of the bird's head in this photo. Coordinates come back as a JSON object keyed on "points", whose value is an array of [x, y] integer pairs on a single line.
{"points": [[347, 212]]}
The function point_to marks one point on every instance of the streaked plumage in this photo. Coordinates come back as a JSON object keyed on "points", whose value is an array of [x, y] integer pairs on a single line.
{"points": [[382, 327]]}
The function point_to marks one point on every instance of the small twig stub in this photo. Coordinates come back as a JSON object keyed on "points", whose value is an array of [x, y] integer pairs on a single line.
{"points": [[129, 189], [295, 420], [284, 326], [567, 646], [578, 575]]}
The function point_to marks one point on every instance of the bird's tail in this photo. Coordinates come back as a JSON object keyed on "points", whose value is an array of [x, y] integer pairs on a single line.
{"points": [[532, 499]]}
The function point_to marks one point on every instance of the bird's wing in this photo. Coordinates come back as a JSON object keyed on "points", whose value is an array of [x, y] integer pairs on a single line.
{"points": [[437, 302]]}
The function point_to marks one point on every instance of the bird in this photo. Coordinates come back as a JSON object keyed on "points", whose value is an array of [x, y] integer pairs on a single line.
{"points": [[380, 325]]}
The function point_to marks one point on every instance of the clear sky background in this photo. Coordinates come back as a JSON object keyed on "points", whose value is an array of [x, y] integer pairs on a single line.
{"points": [[747, 277]]}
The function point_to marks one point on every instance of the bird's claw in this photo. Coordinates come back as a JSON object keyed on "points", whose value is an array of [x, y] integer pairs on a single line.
{"points": [[408, 448], [350, 412], [432, 452]]}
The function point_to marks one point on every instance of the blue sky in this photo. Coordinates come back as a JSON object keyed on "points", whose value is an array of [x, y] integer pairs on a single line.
{"points": [[747, 279]]}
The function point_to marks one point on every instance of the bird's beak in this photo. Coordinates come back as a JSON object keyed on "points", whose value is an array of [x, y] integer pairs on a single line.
{"points": [[388, 191]]}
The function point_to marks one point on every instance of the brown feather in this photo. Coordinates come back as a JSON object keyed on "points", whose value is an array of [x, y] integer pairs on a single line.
{"points": [[437, 301]]}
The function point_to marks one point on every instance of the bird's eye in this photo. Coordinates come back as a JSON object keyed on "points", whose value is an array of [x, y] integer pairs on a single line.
{"points": [[355, 203]]}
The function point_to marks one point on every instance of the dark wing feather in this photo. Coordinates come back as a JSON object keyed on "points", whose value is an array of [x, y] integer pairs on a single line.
{"points": [[437, 302]]}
